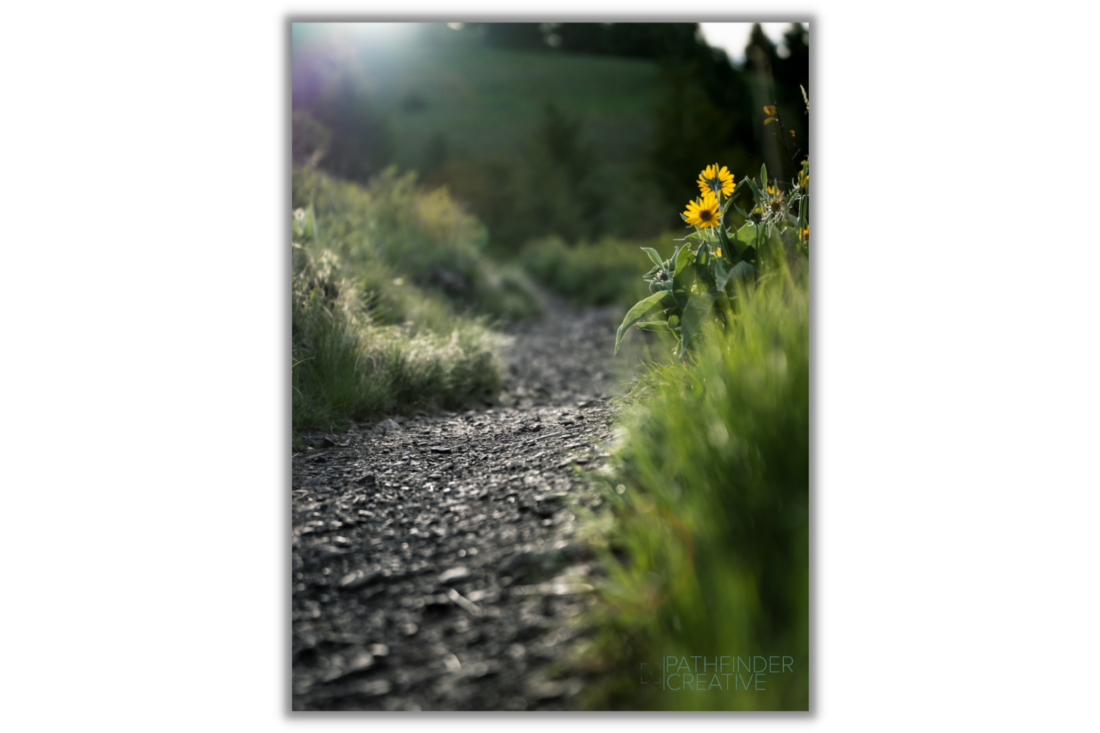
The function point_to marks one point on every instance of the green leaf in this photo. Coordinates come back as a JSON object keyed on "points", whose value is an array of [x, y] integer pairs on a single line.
{"points": [[763, 178], [704, 266], [653, 326], [746, 237], [640, 310], [695, 315], [684, 278], [724, 238], [755, 191], [701, 256], [683, 258], [653, 256]]}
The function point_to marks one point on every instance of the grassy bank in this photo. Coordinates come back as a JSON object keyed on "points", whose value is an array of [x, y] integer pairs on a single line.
{"points": [[706, 540], [608, 271], [392, 301]]}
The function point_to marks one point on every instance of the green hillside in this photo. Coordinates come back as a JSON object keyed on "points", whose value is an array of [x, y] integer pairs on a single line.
{"points": [[489, 102]]}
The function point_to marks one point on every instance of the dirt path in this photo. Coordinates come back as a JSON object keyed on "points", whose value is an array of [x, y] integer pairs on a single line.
{"points": [[435, 564]]}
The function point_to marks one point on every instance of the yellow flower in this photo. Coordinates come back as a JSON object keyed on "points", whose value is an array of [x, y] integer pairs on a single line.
{"points": [[770, 110], [702, 214], [803, 180], [716, 180], [719, 251], [806, 233]]}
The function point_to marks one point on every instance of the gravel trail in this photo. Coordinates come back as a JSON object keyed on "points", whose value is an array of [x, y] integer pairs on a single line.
{"points": [[435, 563]]}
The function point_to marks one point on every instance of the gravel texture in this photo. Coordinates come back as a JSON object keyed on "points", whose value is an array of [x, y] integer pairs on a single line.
{"points": [[435, 563]]}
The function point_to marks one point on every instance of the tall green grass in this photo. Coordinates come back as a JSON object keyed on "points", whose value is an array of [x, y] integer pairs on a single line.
{"points": [[706, 542], [392, 302]]}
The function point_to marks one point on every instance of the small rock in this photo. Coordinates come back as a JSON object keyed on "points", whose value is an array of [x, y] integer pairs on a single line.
{"points": [[359, 579], [548, 690], [359, 663], [478, 670], [373, 688], [368, 478], [454, 575], [324, 552], [388, 425], [441, 449], [379, 650]]}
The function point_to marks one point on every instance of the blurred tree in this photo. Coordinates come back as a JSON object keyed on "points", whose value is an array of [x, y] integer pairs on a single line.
{"points": [[555, 188], [792, 72], [521, 36], [589, 38], [636, 40], [760, 52], [705, 116], [691, 131]]}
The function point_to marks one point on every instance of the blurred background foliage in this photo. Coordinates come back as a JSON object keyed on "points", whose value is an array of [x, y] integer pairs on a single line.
{"points": [[580, 130]]}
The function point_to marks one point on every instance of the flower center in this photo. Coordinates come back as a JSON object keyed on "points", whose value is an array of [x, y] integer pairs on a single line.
{"points": [[706, 215]]}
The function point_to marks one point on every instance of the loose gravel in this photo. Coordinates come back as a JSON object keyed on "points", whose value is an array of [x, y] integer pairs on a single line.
{"points": [[435, 558]]}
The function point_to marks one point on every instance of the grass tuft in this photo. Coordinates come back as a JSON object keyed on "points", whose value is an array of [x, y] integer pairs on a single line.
{"points": [[706, 540]]}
